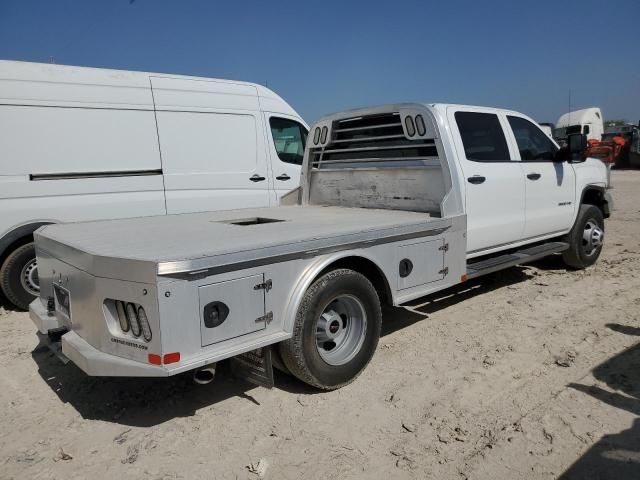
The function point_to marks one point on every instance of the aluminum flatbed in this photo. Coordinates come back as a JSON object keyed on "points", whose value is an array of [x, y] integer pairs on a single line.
{"points": [[213, 242]]}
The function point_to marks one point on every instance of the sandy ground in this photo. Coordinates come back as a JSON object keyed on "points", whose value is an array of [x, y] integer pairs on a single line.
{"points": [[529, 373]]}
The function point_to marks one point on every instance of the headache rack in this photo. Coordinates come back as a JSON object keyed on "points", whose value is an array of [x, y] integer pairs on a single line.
{"points": [[386, 160], [373, 141]]}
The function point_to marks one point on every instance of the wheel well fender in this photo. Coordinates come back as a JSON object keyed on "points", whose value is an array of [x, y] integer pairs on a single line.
{"points": [[595, 195], [357, 262], [18, 237]]}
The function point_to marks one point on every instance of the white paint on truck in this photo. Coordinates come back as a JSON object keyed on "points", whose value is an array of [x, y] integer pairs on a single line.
{"points": [[395, 202]]}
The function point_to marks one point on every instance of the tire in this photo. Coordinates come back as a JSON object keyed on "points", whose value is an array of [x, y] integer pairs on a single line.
{"points": [[585, 238], [342, 305], [19, 276]]}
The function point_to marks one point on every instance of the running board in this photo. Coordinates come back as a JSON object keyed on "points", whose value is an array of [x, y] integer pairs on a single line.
{"points": [[493, 264]]}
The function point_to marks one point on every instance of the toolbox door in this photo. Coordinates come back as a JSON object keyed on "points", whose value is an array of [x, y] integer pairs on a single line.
{"points": [[231, 309], [420, 263]]}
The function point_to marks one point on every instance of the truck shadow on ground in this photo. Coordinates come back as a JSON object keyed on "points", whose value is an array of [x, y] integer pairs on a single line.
{"points": [[396, 318], [139, 402], [615, 456], [145, 402]]}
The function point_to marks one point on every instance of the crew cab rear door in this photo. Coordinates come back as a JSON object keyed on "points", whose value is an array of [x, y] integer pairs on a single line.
{"points": [[550, 186], [493, 183]]}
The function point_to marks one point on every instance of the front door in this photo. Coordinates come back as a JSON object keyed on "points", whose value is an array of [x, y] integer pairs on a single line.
{"points": [[493, 183], [549, 185], [286, 142]]}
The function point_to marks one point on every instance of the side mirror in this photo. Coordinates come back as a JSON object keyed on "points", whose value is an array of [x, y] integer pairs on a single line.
{"points": [[577, 146]]}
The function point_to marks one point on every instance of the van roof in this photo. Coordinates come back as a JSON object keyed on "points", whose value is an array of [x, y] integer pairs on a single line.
{"points": [[12, 71]]}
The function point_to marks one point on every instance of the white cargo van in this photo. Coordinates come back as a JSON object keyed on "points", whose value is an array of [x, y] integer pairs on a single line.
{"points": [[587, 122], [83, 143]]}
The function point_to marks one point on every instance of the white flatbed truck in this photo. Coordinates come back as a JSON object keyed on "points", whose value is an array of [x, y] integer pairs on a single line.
{"points": [[395, 202]]}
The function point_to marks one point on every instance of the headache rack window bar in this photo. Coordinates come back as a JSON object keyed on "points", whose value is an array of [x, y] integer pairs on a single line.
{"points": [[427, 160], [430, 143], [368, 139], [371, 119], [368, 127], [80, 175]]}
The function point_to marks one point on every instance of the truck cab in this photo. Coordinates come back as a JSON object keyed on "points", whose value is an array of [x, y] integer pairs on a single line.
{"points": [[516, 188]]}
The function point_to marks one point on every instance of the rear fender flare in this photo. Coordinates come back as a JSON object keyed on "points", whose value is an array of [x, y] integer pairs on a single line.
{"points": [[309, 275]]}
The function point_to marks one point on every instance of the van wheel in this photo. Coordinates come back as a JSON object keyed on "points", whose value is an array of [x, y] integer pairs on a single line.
{"points": [[19, 276], [336, 330], [585, 238]]}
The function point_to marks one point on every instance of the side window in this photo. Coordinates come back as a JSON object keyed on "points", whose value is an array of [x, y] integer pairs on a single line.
{"points": [[482, 137], [586, 130], [289, 138], [532, 142]]}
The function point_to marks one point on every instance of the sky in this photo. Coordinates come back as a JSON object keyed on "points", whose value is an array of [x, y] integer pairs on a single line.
{"points": [[535, 57]]}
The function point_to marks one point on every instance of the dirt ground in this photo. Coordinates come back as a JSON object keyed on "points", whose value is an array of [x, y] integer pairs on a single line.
{"points": [[530, 373]]}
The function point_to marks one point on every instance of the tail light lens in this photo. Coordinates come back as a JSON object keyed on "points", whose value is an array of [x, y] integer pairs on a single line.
{"points": [[122, 316], [132, 318], [144, 324]]}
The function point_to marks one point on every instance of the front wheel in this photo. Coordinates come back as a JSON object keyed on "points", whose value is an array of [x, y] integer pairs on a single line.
{"points": [[336, 330], [585, 238]]}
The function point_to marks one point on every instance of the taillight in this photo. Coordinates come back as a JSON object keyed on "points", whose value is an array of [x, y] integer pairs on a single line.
{"points": [[122, 316], [133, 319], [144, 324]]}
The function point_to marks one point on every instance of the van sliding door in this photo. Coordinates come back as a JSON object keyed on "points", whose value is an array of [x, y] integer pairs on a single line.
{"points": [[213, 156]]}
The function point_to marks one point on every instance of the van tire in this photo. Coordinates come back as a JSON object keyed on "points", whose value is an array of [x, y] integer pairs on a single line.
{"points": [[341, 297], [581, 252], [18, 263]]}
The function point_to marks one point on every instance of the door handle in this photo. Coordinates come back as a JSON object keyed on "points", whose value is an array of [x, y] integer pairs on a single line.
{"points": [[533, 176], [256, 178], [476, 179], [284, 176]]}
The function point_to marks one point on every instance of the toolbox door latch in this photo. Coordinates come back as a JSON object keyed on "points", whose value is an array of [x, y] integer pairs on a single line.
{"points": [[266, 286], [267, 319]]}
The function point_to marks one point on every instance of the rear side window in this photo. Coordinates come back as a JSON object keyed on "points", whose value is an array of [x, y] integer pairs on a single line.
{"points": [[533, 144], [289, 138], [482, 137]]}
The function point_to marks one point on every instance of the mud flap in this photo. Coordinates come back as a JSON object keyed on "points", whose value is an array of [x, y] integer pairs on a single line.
{"points": [[255, 367]]}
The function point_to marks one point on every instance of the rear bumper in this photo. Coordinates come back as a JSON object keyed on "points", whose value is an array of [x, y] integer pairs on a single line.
{"points": [[97, 364], [41, 318], [88, 358]]}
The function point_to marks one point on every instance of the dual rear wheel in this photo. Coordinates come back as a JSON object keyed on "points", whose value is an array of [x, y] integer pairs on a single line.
{"points": [[336, 330]]}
